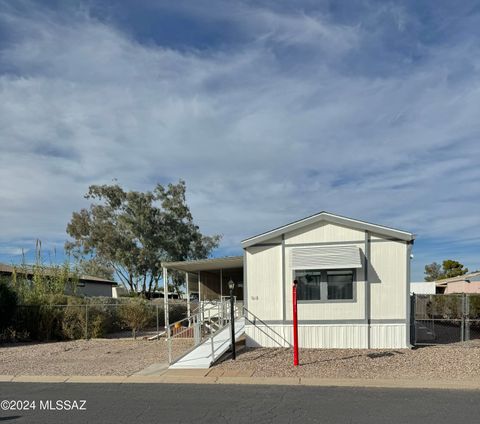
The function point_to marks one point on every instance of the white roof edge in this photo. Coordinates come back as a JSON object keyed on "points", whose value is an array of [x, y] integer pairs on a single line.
{"points": [[457, 278], [330, 217], [225, 260]]}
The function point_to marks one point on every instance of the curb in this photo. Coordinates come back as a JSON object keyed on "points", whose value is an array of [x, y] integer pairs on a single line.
{"points": [[247, 380]]}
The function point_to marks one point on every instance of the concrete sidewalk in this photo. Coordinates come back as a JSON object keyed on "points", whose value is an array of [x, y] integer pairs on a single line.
{"points": [[215, 376]]}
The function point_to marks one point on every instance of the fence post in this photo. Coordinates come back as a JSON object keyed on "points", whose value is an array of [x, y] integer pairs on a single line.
{"points": [[462, 322], [413, 332], [86, 321], [467, 317]]}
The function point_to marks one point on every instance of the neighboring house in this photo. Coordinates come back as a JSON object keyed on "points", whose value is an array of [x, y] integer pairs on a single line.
{"points": [[87, 285], [468, 283], [353, 283], [423, 287]]}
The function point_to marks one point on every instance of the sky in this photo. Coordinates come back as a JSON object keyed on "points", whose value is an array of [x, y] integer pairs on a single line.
{"points": [[269, 110]]}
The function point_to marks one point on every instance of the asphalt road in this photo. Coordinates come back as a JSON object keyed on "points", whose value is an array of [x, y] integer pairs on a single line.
{"points": [[180, 403]]}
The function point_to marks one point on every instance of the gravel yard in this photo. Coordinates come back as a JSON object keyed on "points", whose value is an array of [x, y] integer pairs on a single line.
{"points": [[127, 356], [452, 362], [84, 357]]}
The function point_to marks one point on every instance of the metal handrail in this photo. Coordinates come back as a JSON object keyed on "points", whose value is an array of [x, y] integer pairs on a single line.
{"points": [[220, 311], [212, 335], [254, 322]]}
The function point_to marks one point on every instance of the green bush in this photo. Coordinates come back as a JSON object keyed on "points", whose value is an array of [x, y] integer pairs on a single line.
{"points": [[474, 300], [94, 317], [74, 319], [8, 303], [102, 316], [61, 317], [448, 306], [136, 314]]}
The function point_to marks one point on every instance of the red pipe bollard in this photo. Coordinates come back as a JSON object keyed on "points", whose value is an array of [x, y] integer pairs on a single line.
{"points": [[295, 324]]}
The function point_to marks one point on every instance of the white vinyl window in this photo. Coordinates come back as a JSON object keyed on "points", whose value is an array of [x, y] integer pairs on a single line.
{"points": [[325, 285]]}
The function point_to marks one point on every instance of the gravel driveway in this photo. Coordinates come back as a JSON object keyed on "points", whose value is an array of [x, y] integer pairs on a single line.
{"points": [[84, 357], [444, 362]]}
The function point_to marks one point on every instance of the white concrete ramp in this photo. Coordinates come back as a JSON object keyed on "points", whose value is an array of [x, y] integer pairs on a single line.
{"points": [[201, 356]]}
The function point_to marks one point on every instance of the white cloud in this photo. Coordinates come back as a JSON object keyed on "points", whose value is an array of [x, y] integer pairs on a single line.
{"points": [[11, 250], [260, 140]]}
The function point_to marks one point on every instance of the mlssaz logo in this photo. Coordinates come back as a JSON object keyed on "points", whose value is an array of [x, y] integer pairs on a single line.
{"points": [[63, 405]]}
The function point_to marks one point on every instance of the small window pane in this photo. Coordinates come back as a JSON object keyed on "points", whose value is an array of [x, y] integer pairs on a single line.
{"points": [[340, 285], [308, 285]]}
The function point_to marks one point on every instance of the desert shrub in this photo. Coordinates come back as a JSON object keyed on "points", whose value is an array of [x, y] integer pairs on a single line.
{"points": [[8, 303], [74, 319], [474, 300], [44, 321], [448, 306], [102, 316], [40, 322], [50, 322], [88, 317], [136, 314], [10, 334], [176, 311]]}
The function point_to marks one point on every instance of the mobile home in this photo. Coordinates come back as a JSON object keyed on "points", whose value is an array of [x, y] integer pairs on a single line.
{"points": [[353, 283]]}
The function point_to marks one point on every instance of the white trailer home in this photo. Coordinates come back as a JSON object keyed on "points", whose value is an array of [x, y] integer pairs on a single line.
{"points": [[353, 284]]}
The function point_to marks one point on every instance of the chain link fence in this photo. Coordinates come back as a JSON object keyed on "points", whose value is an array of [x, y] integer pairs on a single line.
{"points": [[126, 318], [444, 319]]}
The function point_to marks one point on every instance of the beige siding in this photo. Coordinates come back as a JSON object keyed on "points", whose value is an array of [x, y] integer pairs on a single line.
{"points": [[322, 233], [264, 277], [388, 280], [326, 311]]}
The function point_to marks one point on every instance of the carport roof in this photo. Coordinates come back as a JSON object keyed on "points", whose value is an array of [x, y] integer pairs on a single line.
{"points": [[227, 262]]}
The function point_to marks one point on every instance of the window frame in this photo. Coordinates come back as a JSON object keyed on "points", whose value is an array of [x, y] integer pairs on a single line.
{"points": [[324, 286]]}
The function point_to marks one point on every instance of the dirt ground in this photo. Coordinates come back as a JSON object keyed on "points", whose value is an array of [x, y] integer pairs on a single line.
{"points": [[442, 363], [84, 357]]}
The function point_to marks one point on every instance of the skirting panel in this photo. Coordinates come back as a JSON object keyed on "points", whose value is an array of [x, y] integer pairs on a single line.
{"points": [[328, 336], [388, 336]]}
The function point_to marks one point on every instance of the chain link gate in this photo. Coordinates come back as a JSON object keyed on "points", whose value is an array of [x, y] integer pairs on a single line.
{"points": [[444, 319]]}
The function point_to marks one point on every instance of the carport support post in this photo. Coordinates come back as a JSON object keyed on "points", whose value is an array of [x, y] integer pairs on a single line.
{"points": [[188, 293], [295, 324]]}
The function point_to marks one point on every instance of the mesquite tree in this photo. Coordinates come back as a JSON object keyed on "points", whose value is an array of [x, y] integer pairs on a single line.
{"points": [[133, 232]]}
